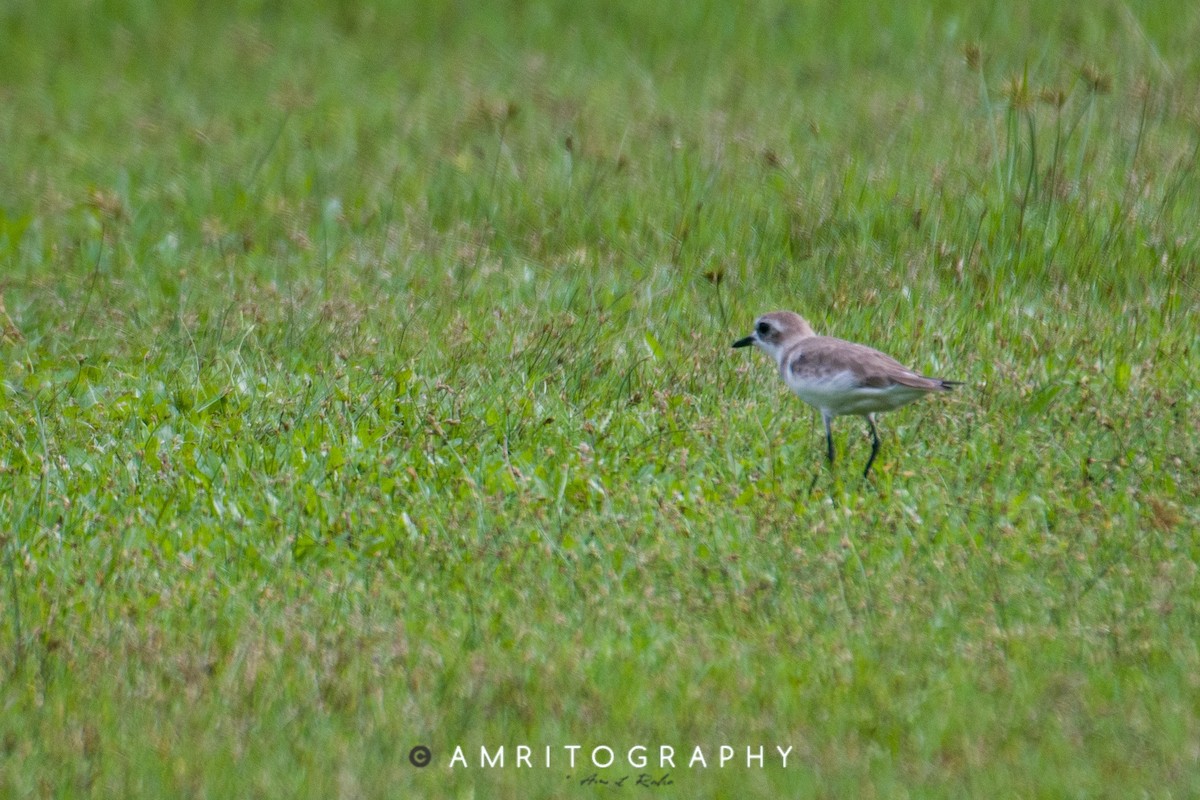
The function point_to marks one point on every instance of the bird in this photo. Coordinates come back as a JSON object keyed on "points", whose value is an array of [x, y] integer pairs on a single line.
{"points": [[837, 377]]}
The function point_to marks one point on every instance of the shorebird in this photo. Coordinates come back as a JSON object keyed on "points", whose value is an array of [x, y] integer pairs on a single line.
{"points": [[837, 377]]}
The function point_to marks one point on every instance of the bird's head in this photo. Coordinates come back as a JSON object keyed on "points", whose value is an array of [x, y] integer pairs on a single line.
{"points": [[776, 331]]}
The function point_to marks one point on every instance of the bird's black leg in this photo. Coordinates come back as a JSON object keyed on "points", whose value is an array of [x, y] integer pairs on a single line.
{"points": [[828, 435], [829, 448], [874, 444]]}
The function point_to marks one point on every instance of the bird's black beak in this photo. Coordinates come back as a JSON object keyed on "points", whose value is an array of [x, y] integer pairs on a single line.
{"points": [[749, 340]]}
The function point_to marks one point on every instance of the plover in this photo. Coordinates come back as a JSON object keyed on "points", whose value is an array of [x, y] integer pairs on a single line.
{"points": [[837, 377]]}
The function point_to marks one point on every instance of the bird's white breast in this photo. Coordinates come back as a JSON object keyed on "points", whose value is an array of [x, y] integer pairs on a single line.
{"points": [[838, 393]]}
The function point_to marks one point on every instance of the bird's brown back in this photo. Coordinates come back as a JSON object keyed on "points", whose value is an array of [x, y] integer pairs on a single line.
{"points": [[827, 355]]}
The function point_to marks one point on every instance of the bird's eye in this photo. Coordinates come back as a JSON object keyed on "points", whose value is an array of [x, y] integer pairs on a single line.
{"points": [[763, 329]]}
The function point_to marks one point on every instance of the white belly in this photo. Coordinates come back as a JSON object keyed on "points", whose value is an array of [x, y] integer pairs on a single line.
{"points": [[837, 394]]}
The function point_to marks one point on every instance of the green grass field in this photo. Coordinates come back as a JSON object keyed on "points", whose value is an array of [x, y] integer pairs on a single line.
{"points": [[367, 384]]}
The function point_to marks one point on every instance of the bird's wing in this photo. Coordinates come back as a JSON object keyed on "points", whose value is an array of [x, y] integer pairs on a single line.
{"points": [[870, 367]]}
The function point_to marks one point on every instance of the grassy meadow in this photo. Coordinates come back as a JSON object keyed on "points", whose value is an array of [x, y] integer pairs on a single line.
{"points": [[367, 384]]}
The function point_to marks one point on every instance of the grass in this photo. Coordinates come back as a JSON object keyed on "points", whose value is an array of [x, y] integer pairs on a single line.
{"points": [[367, 384]]}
